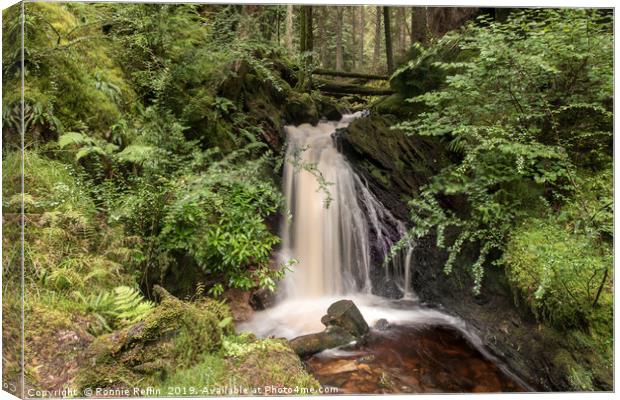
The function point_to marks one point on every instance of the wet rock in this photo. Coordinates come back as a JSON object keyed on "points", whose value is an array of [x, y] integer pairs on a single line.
{"points": [[382, 324], [346, 315], [262, 299], [339, 367], [344, 324], [331, 337], [239, 302], [329, 109]]}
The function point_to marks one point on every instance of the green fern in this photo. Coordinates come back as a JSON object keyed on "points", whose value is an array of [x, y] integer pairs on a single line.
{"points": [[74, 138], [135, 153], [129, 305], [115, 309]]}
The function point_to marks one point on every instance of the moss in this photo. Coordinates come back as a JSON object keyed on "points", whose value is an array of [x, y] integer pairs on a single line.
{"points": [[248, 363], [54, 344], [175, 335], [300, 108], [578, 377]]}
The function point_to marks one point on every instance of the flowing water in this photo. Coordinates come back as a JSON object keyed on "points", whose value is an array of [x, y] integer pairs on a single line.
{"points": [[338, 231]]}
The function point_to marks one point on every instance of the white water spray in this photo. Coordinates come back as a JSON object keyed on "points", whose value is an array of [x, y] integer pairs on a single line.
{"points": [[336, 221]]}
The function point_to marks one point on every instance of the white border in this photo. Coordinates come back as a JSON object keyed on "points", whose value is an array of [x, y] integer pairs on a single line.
{"points": [[460, 3]]}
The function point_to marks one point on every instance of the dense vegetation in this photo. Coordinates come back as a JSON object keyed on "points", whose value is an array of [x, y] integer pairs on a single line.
{"points": [[525, 109], [153, 150]]}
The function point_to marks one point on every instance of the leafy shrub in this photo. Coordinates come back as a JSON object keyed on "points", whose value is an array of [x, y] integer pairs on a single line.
{"points": [[518, 114], [563, 277], [218, 218]]}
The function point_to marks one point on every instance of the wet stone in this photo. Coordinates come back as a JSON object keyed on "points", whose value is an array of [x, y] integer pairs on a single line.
{"points": [[382, 324]]}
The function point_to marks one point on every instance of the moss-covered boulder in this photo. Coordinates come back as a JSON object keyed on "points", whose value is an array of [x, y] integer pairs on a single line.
{"points": [[247, 365], [300, 108], [175, 335]]}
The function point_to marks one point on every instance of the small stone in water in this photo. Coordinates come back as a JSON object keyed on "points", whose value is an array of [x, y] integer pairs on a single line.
{"points": [[382, 324]]}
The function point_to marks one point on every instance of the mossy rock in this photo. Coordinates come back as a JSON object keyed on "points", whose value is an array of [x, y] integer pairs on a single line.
{"points": [[249, 363], [300, 109], [175, 335], [329, 109]]}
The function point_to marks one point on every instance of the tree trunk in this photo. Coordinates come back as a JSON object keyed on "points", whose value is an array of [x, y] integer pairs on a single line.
{"points": [[339, 58], [418, 25], [400, 31], [327, 86], [305, 31], [360, 58], [323, 37], [376, 55], [388, 40], [289, 29], [346, 74], [353, 15]]}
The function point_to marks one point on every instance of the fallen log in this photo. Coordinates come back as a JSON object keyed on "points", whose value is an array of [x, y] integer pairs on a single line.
{"points": [[345, 74], [349, 88]]}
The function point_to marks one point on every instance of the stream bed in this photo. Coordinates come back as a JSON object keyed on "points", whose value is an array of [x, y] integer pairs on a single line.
{"points": [[408, 359], [421, 350]]}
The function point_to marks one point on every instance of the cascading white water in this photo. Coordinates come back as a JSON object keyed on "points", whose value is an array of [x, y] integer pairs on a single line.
{"points": [[337, 231], [335, 221]]}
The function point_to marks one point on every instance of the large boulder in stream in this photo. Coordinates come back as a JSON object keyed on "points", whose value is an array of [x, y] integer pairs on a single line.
{"points": [[344, 324], [346, 315]]}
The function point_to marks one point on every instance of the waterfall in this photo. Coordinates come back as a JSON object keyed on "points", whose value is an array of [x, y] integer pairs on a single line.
{"points": [[337, 231]]}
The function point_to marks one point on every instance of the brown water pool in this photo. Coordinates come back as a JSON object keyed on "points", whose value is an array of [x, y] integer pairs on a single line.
{"points": [[411, 359]]}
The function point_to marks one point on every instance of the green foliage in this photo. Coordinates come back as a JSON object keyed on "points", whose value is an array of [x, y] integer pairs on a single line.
{"points": [[563, 277], [562, 264], [115, 309], [218, 219], [50, 185], [518, 112], [71, 81]]}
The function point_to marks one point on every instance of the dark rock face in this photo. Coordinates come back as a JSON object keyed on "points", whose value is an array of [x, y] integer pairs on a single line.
{"points": [[344, 324], [394, 165], [300, 109]]}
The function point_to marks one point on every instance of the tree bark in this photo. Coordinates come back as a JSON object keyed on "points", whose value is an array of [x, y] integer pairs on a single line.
{"points": [[339, 50], [360, 58], [389, 55], [323, 37], [353, 15], [419, 25], [376, 55], [400, 31], [309, 29], [305, 31], [289, 29]]}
